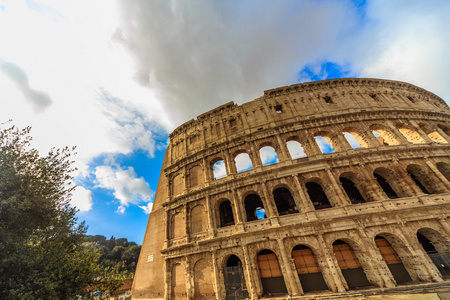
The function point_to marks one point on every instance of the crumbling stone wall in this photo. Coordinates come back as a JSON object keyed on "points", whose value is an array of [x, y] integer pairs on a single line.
{"points": [[390, 185]]}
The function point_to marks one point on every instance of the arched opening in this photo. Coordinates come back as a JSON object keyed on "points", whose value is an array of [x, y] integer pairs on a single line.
{"points": [[219, 169], [177, 282], [444, 168], [385, 186], [254, 208], [308, 270], [325, 144], [433, 134], [317, 195], [383, 135], [284, 201], [243, 162], [349, 264], [351, 190], [420, 177], [355, 139], [226, 214], [272, 279], [203, 276], [411, 135], [437, 249], [268, 155], [295, 149], [233, 273], [392, 260]]}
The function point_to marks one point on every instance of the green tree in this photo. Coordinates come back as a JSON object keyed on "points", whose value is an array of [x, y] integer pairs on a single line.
{"points": [[41, 251]]}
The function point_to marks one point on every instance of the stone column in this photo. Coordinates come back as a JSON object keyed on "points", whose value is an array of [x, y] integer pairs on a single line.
{"points": [[443, 134], [238, 210], [207, 171], [305, 204], [189, 275], [411, 185], [438, 173], [422, 134], [371, 184], [292, 281], [344, 145], [398, 135], [167, 280], [445, 226], [342, 198], [211, 223], [268, 203], [255, 156], [230, 163], [286, 156], [333, 276], [254, 287], [218, 286]]}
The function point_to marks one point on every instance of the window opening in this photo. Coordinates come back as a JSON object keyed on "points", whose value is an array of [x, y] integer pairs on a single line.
{"points": [[387, 189], [268, 155], [328, 99], [219, 170], [254, 208], [295, 149], [392, 260], [418, 183], [444, 168], [411, 99], [278, 108], [374, 97], [284, 201], [324, 144], [352, 140], [349, 265], [234, 279], [271, 277], [317, 195], [233, 122], [243, 162], [440, 257], [226, 214], [352, 191], [308, 270]]}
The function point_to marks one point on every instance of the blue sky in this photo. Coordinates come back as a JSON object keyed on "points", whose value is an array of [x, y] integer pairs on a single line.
{"points": [[115, 77]]}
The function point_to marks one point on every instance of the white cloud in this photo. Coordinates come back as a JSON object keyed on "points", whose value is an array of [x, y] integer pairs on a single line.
{"points": [[126, 186], [82, 199], [147, 208]]}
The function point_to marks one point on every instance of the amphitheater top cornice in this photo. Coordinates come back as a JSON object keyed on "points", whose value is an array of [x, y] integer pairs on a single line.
{"points": [[308, 86]]}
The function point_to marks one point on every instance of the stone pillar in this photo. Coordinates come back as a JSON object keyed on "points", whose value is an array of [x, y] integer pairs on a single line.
{"points": [[211, 223], [305, 204], [333, 275], [443, 134], [189, 275], [344, 145], [207, 170], [379, 267], [230, 163], [253, 286], [411, 185], [337, 187], [218, 286], [371, 184], [445, 226], [167, 280], [370, 138], [255, 156], [292, 281], [268, 203], [422, 134], [438, 173], [238, 210], [284, 151], [398, 135]]}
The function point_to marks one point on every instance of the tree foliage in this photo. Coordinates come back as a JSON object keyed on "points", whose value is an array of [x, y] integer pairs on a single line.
{"points": [[41, 251]]}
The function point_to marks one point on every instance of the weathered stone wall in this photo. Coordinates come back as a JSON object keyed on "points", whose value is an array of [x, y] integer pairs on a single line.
{"points": [[394, 185]]}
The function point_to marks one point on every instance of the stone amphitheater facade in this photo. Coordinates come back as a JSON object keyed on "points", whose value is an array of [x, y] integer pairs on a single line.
{"points": [[368, 213]]}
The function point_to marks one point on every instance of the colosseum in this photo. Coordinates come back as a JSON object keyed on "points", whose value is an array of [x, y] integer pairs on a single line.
{"points": [[321, 189]]}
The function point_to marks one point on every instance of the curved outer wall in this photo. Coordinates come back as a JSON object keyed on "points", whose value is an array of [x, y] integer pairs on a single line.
{"points": [[187, 243]]}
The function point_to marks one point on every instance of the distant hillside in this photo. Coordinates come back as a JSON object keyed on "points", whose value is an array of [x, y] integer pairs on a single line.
{"points": [[115, 252]]}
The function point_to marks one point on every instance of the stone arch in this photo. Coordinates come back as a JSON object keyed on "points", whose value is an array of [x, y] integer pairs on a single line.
{"points": [[352, 186], [196, 177], [177, 184], [218, 168], [316, 193], [177, 225], [355, 138], [284, 201], [388, 182], [295, 148], [199, 219], [178, 282], [410, 133], [444, 168], [254, 207], [433, 134], [203, 289], [226, 216], [272, 279], [349, 264], [234, 278], [424, 179], [308, 270], [326, 142], [392, 259], [384, 135], [268, 153], [242, 161], [437, 248]]}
